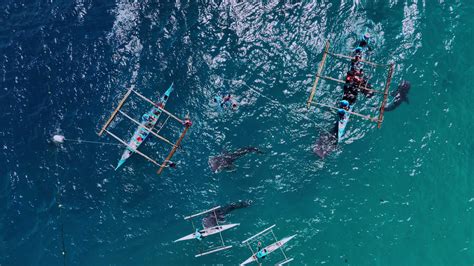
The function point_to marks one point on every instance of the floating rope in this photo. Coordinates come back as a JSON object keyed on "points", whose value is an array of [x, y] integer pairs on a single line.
{"points": [[60, 207], [60, 139]]}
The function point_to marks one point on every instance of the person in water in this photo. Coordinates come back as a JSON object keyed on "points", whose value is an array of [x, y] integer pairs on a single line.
{"points": [[261, 253], [363, 44], [226, 100], [170, 164]]}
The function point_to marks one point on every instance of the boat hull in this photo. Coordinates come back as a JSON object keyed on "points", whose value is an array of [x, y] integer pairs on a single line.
{"points": [[269, 249], [208, 231], [342, 124], [140, 133]]}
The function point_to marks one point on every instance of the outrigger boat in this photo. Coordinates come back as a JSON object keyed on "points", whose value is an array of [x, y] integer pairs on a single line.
{"points": [[148, 121], [207, 231], [278, 244], [146, 126], [329, 140], [319, 75]]}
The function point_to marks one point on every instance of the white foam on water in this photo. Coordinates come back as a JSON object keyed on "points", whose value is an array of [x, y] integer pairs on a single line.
{"points": [[124, 36]]}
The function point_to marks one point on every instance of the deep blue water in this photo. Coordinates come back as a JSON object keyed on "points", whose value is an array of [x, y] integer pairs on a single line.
{"points": [[401, 195]]}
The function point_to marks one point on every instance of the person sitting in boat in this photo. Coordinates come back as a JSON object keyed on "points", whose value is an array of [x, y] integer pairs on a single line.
{"points": [[366, 88], [350, 93], [198, 235], [356, 63], [148, 119], [344, 107], [350, 76], [261, 253], [354, 75], [145, 117]]}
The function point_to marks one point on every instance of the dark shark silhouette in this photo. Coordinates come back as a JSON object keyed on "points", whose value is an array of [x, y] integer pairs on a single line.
{"points": [[226, 161], [400, 95], [210, 220], [326, 143]]}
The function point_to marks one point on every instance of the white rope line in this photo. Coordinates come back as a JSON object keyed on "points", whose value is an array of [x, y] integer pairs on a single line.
{"points": [[80, 141], [60, 207]]}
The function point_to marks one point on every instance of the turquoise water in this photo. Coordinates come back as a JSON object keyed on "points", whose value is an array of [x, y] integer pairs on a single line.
{"points": [[401, 195]]}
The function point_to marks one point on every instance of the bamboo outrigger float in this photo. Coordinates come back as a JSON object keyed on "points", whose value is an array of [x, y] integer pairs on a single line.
{"points": [[147, 127], [207, 231], [378, 118]]}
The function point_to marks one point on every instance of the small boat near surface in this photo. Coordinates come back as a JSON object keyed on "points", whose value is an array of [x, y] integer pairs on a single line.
{"points": [[148, 121], [269, 249], [208, 231]]}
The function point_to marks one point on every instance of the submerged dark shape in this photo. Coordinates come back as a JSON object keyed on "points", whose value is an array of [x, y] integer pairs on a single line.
{"points": [[210, 220], [400, 95], [326, 143], [226, 161]]}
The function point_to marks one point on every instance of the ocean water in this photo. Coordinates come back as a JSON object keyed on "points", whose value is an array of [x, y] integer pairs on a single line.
{"points": [[399, 195]]}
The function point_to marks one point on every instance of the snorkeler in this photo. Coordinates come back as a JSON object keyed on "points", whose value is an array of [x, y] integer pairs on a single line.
{"points": [[225, 101]]}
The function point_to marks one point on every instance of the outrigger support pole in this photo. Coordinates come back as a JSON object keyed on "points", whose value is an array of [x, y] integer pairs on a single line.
{"points": [[157, 106], [343, 82], [131, 148], [385, 95], [187, 124], [318, 74], [367, 117], [147, 129], [253, 252], [115, 112], [220, 232], [201, 213], [360, 60]]}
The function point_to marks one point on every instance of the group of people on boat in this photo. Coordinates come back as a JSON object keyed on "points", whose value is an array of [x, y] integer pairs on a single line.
{"points": [[355, 78]]}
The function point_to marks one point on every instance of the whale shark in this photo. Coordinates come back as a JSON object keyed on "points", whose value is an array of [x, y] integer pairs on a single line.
{"points": [[225, 161], [326, 143], [400, 95], [210, 220]]}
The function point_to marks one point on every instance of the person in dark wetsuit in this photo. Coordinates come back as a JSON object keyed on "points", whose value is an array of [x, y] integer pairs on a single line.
{"points": [[355, 82], [225, 101], [363, 44]]}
